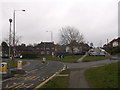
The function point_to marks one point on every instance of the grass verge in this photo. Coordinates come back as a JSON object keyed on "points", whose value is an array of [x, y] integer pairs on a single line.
{"points": [[104, 76], [94, 58], [70, 59], [58, 81]]}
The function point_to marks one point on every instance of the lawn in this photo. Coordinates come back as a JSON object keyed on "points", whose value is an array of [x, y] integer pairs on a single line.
{"points": [[94, 58], [13, 64], [70, 59], [58, 81], [104, 76]]}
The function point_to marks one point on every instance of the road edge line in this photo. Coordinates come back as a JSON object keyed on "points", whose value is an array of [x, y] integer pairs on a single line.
{"points": [[40, 85]]}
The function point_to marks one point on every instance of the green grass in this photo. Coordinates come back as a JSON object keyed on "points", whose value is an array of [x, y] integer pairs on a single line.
{"points": [[67, 71], [70, 59], [13, 64], [58, 81], [94, 58], [104, 76]]}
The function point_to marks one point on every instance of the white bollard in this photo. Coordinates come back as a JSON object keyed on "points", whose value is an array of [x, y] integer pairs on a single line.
{"points": [[44, 60], [19, 65], [3, 68]]}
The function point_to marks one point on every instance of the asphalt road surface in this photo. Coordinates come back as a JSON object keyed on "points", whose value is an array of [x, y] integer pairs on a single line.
{"points": [[36, 73]]}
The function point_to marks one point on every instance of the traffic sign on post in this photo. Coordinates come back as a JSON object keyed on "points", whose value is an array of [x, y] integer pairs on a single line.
{"points": [[3, 68]]}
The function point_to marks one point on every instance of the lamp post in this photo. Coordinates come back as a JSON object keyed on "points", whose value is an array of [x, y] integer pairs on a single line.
{"points": [[10, 20], [51, 35], [14, 31]]}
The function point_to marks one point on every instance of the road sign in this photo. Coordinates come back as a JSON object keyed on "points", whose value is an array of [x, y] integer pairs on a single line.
{"points": [[3, 68]]}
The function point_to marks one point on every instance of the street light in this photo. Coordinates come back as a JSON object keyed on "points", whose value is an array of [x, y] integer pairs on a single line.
{"points": [[51, 35], [10, 20], [14, 31]]}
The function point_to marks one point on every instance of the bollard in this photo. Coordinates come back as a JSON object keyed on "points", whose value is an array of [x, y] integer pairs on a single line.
{"points": [[3, 68], [19, 65], [44, 59]]}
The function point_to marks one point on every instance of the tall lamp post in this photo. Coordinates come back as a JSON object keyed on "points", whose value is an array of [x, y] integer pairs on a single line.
{"points": [[10, 20], [14, 31], [51, 35]]}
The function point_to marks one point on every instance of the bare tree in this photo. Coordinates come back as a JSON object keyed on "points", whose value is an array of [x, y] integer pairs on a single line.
{"points": [[17, 40], [70, 36]]}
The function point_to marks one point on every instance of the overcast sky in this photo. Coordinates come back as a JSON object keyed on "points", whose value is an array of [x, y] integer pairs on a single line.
{"points": [[97, 20]]}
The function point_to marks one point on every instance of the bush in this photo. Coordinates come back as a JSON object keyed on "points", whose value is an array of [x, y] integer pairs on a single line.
{"points": [[30, 56], [113, 50]]}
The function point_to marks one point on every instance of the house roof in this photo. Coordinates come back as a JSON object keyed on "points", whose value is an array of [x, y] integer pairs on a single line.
{"points": [[46, 44], [114, 40]]}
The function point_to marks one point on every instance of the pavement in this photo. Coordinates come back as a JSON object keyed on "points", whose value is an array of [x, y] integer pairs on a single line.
{"points": [[36, 73], [77, 79], [80, 60]]}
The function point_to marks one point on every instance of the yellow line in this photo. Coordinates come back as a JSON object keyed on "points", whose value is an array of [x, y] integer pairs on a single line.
{"points": [[32, 77], [30, 85], [47, 80], [14, 84], [20, 85], [36, 78]]}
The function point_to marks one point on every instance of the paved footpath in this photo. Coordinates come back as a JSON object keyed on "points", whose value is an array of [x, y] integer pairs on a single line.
{"points": [[77, 79], [80, 60]]}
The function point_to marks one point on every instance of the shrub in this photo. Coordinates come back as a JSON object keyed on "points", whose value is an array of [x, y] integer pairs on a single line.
{"points": [[29, 56]]}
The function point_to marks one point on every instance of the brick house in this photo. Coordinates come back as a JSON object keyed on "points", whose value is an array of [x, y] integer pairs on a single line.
{"points": [[45, 48], [114, 42]]}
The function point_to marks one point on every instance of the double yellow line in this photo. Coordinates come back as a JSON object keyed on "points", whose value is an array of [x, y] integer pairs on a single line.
{"points": [[47, 80]]}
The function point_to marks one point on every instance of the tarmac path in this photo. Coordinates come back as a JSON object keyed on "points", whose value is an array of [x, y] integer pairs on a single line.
{"points": [[77, 79]]}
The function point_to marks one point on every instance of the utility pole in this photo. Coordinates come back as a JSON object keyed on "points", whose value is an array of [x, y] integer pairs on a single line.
{"points": [[14, 32]]}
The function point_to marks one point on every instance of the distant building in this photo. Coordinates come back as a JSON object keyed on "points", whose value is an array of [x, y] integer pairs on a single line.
{"points": [[78, 49], [23, 49], [114, 43], [45, 48]]}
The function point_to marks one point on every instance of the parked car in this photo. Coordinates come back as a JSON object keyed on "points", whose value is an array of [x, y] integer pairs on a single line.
{"points": [[102, 54], [93, 54]]}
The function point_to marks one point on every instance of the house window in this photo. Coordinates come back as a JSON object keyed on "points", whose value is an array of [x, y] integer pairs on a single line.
{"points": [[37, 48], [48, 52], [52, 48], [47, 48], [41, 48], [42, 52]]}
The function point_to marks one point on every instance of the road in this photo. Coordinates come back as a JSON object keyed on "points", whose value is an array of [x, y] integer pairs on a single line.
{"points": [[36, 73], [89, 64]]}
